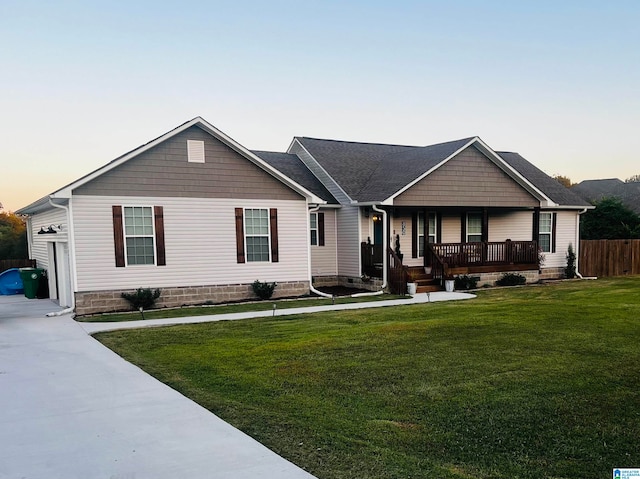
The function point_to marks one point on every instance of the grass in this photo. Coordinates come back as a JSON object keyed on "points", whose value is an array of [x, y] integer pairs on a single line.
{"points": [[229, 308], [534, 382]]}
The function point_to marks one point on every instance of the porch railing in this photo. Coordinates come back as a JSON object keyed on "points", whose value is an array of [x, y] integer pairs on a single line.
{"points": [[371, 259], [436, 263], [397, 278], [486, 253]]}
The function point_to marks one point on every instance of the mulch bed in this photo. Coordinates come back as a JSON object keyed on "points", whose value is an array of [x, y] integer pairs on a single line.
{"points": [[342, 290]]}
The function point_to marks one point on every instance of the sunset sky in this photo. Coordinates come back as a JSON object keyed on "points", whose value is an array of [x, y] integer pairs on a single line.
{"points": [[83, 82]]}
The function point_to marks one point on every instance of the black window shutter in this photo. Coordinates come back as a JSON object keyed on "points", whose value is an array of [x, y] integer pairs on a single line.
{"points": [[240, 235], [320, 226], [414, 235], [273, 222], [158, 216], [118, 235], [463, 227], [554, 219], [438, 228]]}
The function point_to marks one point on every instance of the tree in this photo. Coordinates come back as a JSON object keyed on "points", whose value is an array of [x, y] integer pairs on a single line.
{"points": [[13, 236], [563, 180], [610, 220], [633, 179]]}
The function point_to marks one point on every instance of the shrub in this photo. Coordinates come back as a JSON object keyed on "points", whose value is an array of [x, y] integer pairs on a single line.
{"points": [[142, 298], [511, 279], [570, 270], [263, 290], [466, 282]]}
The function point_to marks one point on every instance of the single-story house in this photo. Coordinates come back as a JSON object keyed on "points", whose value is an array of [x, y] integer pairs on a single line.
{"points": [[201, 217]]}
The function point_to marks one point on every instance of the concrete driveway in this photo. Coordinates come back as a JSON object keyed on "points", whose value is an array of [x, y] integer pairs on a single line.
{"points": [[71, 408]]}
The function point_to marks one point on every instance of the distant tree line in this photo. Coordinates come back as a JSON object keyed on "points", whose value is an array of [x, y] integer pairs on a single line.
{"points": [[13, 236], [609, 220]]}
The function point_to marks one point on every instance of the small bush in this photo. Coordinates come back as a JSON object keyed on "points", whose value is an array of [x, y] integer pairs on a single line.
{"points": [[466, 282], [511, 279], [143, 297], [570, 270], [263, 290]]}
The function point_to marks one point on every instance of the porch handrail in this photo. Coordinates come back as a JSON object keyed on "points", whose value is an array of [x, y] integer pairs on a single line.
{"points": [[438, 267]]}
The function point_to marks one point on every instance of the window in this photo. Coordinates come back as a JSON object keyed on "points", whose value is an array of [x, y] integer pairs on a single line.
{"points": [[432, 232], [257, 234], [545, 232], [474, 227], [313, 222], [139, 235]]}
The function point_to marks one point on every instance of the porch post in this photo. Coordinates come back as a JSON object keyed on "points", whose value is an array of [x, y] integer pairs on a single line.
{"points": [[536, 224]]}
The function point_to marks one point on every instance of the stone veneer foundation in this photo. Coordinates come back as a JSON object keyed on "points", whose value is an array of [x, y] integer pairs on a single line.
{"points": [[110, 301]]}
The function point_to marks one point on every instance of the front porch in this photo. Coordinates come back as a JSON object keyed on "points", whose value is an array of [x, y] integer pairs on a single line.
{"points": [[446, 260]]}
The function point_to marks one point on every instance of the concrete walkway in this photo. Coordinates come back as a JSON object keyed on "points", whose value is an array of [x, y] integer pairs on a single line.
{"points": [[420, 298], [72, 409]]}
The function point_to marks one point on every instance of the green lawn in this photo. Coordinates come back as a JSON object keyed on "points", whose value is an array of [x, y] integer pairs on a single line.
{"points": [[535, 382]]}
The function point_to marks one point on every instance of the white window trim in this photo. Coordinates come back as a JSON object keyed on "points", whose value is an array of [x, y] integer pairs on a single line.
{"points": [[474, 234], [426, 228], [125, 236], [546, 233], [268, 235], [311, 229]]}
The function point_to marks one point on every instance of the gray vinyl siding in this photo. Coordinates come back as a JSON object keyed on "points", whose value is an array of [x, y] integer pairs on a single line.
{"points": [[320, 173], [164, 171], [468, 179], [348, 241], [324, 259]]}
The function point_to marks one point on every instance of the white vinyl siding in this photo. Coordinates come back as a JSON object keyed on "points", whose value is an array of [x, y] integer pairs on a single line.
{"points": [[200, 244], [348, 243], [513, 225], [451, 229], [566, 226], [39, 242], [324, 259]]}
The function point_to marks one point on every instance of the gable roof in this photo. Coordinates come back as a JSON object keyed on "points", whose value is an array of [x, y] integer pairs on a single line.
{"points": [[373, 172], [550, 187], [370, 172], [66, 191], [593, 190], [292, 166]]}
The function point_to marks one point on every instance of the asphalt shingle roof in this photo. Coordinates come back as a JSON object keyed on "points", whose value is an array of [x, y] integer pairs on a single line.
{"points": [[550, 187], [373, 171], [293, 167], [593, 190]]}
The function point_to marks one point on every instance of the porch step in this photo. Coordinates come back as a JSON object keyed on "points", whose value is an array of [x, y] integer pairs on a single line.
{"points": [[424, 282]]}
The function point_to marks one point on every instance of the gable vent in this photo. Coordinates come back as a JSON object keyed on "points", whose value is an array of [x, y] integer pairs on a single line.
{"points": [[195, 151]]}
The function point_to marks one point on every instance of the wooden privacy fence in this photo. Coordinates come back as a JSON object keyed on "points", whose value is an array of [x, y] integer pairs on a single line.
{"points": [[609, 257], [6, 264]]}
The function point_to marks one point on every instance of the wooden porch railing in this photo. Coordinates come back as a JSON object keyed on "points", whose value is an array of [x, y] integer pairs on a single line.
{"points": [[397, 278], [371, 259], [436, 263], [486, 253]]}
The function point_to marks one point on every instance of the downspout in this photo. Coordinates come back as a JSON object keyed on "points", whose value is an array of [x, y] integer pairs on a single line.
{"points": [[385, 256], [578, 247], [311, 288], [71, 308]]}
